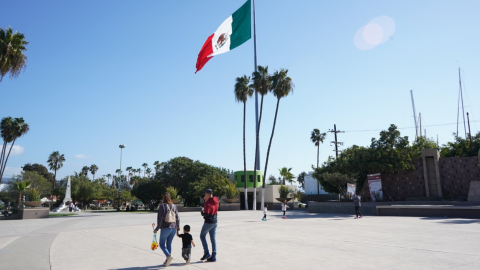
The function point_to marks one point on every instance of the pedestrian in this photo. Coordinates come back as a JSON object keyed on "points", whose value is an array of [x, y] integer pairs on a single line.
{"points": [[265, 212], [187, 243], [284, 208], [70, 206], [209, 213], [357, 204], [168, 223]]}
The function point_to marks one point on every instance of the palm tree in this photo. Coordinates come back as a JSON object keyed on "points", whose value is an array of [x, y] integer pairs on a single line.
{"points": [[281, 86], [93, 170], [286, 175], [318, 138], [139, 171], [149, 172], [85, 170], [129, 170], [242, 91], [108, 177], [157, 165], [12, 57], [261, 84], [21, 186], [144, 165], [119, 173], [55, 162], [10, 129]]}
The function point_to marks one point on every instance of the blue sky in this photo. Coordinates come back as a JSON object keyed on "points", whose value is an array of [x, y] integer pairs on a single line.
{"points": [[104, 73]]}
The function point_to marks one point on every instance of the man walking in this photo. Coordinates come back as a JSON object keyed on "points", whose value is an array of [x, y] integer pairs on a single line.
{"points": [[357, 204], [209, 213]]}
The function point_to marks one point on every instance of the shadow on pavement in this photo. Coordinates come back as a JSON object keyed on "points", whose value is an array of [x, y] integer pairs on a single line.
{"points": [[447, 220], [156, 267]]}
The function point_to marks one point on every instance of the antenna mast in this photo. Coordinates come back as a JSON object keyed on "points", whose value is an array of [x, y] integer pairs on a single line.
{"points": [[414, 115]]}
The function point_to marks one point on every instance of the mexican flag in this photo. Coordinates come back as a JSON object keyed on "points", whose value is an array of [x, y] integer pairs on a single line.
{"points": [[233, 32]]}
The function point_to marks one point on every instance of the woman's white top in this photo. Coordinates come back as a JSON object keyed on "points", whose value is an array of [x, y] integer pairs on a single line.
{"points": [[265, 210], [284, 207]]}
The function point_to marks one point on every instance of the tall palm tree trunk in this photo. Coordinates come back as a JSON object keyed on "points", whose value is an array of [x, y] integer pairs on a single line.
{"points": [[244, 156], [318, 158], [262, 203], [271, 138], [2, 169]]}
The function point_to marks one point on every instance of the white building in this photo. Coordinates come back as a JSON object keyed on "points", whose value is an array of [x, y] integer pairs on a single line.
{"points": [[312, 186]]}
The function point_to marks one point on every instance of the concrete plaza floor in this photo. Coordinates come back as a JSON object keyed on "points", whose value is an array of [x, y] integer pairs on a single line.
{"points": [[303, 241]]}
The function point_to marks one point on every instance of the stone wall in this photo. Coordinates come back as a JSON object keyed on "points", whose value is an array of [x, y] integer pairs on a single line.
{"points": [[455, 175]]}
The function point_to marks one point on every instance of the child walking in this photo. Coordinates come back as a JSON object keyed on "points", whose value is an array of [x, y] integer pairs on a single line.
{"points": [[265, 213], [187, 243], [284, 208]]}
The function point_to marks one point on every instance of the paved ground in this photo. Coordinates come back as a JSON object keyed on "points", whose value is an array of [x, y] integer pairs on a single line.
{"points": [[304, 241]]}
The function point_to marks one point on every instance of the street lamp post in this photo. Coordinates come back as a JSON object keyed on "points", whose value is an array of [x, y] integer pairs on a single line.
{"points": [[121, 146]]}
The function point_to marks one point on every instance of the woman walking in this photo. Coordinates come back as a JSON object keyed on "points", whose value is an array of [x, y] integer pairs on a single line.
{"points": [[168, 223]]}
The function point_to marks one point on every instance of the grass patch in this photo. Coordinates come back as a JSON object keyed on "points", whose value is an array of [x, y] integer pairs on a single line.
{"points": [[61, 214]]}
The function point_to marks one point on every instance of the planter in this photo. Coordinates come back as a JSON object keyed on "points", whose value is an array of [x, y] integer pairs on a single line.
{"points": [[283, 199], [33, 203], [175, 200], [230, 200]]}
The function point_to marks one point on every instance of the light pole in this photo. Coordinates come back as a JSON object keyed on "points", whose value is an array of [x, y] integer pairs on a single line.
{"points": [[121, 146]]}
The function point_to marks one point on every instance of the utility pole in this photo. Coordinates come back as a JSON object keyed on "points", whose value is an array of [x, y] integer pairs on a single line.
{"points": [[469, 132], [336, 142], [420, 118]]}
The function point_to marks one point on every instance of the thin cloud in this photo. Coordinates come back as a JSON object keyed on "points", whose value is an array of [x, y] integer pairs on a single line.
{"points": [[82, 156], [17, 150]]}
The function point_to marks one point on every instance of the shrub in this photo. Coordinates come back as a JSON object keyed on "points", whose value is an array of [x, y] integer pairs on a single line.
{"points": [[230, 191], [173, 192], [284, 191], [33, 194]]}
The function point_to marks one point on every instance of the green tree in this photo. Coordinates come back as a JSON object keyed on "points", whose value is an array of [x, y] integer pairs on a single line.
{"points": [[21, 186], [93, 170], [12, 53], [217, 183], [243, 91], [261, 83], [420, 143], [144, 165], [149, 192], [10, 129], [55, 162], [317, 138], [301, 180], [286, 175], [337, 180], [390, 153], [182, 173], [149, 172], [85, 170], [461, 147], [40, 169], [281, 86], [109, 176], [38, 182]]}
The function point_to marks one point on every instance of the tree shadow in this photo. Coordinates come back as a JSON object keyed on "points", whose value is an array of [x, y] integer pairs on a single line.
{"points": [[452, 220]]}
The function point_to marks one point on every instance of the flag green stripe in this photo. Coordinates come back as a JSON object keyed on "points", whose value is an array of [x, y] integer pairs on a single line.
{"points": [[241, 25]]}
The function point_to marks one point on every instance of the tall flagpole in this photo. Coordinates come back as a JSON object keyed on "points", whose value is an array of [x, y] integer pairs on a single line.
{"points": [[257, 165]]}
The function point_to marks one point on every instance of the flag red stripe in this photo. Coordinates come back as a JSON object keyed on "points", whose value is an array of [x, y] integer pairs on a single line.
{"points": [[206, 50]]}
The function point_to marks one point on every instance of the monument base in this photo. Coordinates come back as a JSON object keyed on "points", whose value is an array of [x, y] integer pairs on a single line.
{"points": [[32, 213]]}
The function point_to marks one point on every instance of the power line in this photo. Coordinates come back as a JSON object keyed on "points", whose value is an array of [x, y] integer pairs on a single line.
{"points": [[380, 129]]}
